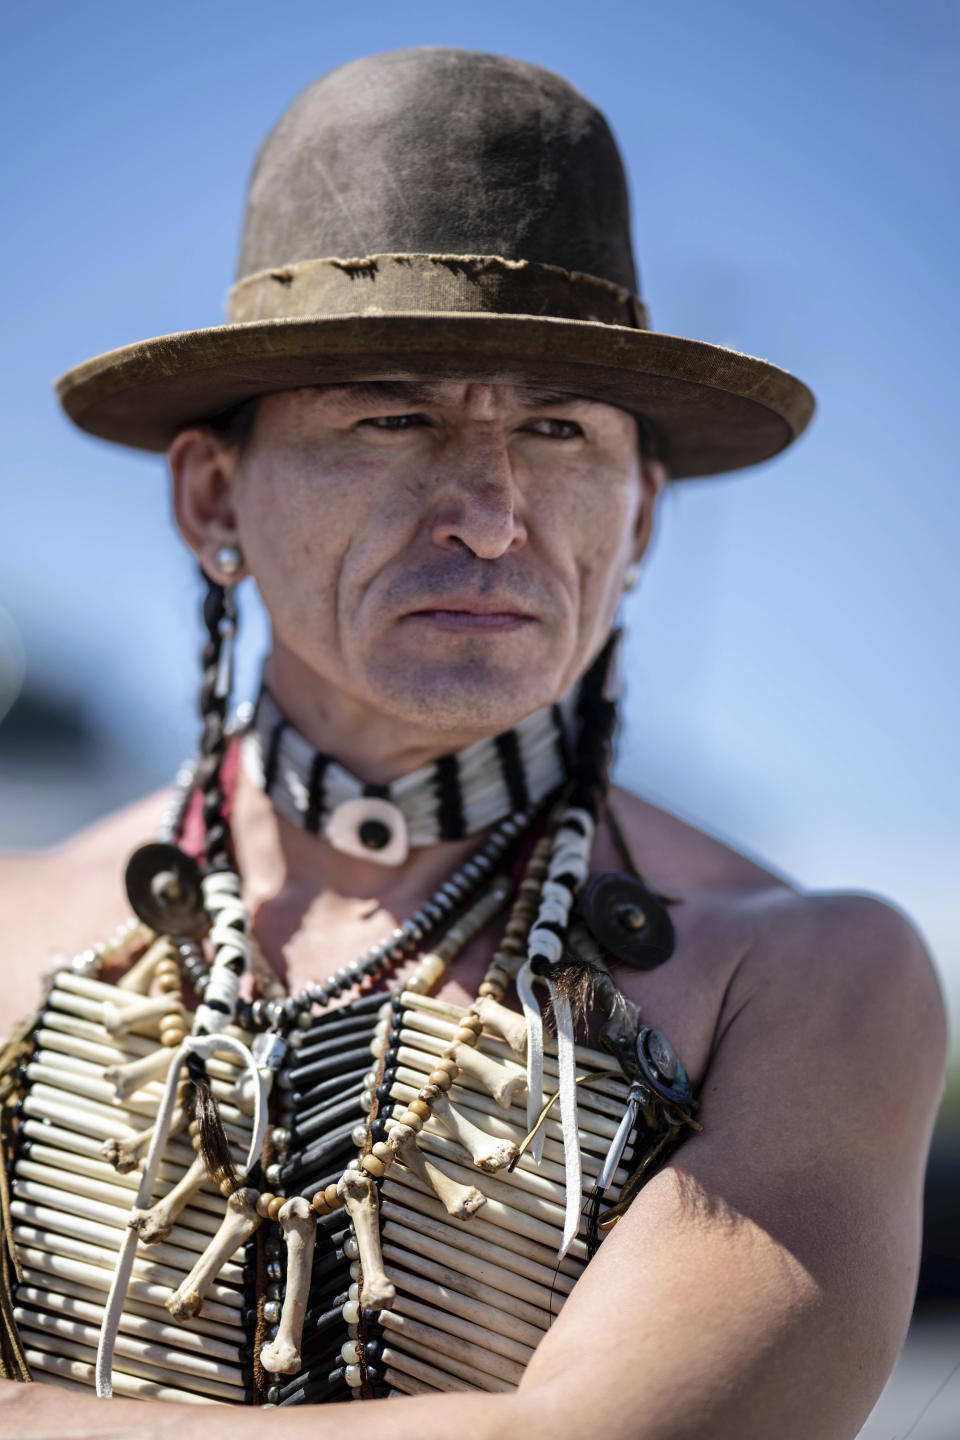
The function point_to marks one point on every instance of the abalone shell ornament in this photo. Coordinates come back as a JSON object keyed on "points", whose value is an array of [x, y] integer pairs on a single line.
{"points": [[627, 920], [163, 887]]}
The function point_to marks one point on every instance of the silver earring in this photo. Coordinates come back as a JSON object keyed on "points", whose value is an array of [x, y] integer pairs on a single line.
{"points": [[631, 575], [230, 560]]}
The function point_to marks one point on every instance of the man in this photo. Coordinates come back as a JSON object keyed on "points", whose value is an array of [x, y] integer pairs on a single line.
{"points": [[434, 433]]}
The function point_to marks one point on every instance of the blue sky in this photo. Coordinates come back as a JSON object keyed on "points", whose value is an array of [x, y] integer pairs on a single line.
{"points": [[792, 665]]}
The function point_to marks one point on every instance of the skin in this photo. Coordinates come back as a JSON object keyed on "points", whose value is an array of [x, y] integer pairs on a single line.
{"points": [[761, 1284]]}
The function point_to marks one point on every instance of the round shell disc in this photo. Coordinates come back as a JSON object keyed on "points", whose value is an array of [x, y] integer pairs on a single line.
{"points": [[163, 887], [628, 920]]}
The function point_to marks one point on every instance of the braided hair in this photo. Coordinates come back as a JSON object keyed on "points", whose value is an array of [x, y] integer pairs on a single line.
{"points": [[219, 618]]}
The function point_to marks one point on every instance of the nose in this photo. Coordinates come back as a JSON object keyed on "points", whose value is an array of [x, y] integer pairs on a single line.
{"points": [[477, 503]]}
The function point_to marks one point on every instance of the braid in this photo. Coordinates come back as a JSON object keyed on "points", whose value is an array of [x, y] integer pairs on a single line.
{"points": [[219, 618], [598, 721]]}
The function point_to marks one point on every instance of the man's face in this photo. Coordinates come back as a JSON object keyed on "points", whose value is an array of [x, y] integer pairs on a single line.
{"points": [[448, 554]]}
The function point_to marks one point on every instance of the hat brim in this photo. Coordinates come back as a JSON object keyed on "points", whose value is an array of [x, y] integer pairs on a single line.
{"points": [[713, 409]]}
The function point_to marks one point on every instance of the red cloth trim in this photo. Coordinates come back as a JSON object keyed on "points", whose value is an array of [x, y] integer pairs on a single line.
{"points": [[191, 833]]}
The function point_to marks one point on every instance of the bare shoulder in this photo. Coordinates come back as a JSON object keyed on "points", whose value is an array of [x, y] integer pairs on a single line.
{"points": [[800, 968], [59, 901], [854, 966]]}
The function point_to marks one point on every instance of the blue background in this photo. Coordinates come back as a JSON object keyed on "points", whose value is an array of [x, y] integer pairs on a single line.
{"points": [[792, 665]]}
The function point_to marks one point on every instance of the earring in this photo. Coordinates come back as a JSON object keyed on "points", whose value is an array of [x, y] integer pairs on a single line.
{"points": [[631, 575], [230, 560]]}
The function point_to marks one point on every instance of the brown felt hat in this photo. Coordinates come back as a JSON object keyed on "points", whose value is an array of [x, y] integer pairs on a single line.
{"points": [[452, 214]]}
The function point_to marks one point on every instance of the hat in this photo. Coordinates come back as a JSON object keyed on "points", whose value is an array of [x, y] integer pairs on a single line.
{"points": [[453, 214]]}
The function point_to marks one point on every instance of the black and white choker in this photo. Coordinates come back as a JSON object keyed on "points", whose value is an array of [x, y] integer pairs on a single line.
{"points": [[452, 797]]}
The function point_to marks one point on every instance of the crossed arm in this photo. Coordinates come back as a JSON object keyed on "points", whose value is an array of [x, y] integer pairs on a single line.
{"points": [[761, 1284]]}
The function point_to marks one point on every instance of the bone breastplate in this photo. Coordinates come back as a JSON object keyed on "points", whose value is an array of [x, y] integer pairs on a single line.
{"points": [[472, 1253]]}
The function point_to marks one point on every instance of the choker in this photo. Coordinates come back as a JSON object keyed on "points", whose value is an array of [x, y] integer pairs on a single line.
{"points": [[453, 797]]}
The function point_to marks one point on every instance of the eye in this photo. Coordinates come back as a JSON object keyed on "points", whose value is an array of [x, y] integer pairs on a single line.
{"points": [[556, 429], [395, 422]]}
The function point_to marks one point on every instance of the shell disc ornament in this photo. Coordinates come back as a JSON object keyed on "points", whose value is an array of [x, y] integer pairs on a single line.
{"points": [[163, 887], [628, 920]]}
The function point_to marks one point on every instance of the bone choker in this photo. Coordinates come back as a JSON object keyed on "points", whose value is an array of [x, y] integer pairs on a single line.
{"points": [[455, 796]]}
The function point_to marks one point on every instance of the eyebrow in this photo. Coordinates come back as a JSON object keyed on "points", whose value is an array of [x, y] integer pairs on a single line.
{"points": [[423, 392]]}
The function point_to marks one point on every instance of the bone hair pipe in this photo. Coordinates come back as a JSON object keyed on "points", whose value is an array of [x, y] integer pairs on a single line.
{"points": [[64, 1022], [527, 1173], [359, 1195], [419, 1370], [608, 1094], [102, 1197], [406, 1384], [44, 1226], [68, 1034], [142, 1369], [474, 1064], [482, 1110], [490, 1115], [506, 1083], [98, 1170], [135, 1307], [432, 1240], [70, 983], [513, 1250], [593, 1147], [486, 1151], [88, 1252], [131, 1323], [49, 1039], [521, 1188], [424, 1278], [43, 1100], [226, 1308], [79, 1007], [87, 1146], [491, 1285], [467, 1330], [75, 1074], [589, 1058], [150, 1352], [239, 1223], [516, 1220], [410, 1334], [128, 1387]]}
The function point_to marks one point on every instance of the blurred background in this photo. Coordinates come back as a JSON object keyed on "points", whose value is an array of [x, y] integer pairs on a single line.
{"points": [[792, 662]]}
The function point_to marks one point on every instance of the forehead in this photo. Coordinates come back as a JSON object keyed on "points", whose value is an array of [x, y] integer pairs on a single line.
{"points": [[478, 396]]}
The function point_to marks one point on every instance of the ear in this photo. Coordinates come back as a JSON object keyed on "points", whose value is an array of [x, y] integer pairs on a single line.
{"points": [[202, 469], [653, 477]]}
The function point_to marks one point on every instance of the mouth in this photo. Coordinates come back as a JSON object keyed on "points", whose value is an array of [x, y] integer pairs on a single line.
{"points": [[473, 615]]}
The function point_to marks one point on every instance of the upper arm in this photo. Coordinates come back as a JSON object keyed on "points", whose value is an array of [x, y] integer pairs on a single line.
{"points": [[762, 1283]]}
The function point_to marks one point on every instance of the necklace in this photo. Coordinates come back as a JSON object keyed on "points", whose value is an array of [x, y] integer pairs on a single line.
{"points": [[455, 796]]}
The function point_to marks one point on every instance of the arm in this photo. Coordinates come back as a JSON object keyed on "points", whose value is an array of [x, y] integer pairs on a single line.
{"points": [[761, 1284]]}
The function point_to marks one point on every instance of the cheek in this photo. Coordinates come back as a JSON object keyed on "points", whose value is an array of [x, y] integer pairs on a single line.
{"points": [[599, 526]]}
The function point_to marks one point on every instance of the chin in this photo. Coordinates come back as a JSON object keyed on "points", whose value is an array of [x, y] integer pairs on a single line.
{"points": [[469, 697]]}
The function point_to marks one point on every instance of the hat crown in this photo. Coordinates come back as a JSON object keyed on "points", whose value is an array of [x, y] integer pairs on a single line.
{"points": [[444, 152]]}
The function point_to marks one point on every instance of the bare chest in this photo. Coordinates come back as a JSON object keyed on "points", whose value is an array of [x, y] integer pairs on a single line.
{"points": [[311, 940]]}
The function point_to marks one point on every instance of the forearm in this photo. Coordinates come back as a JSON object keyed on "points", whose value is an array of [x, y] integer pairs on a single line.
{"points": [[46, 1413]]}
